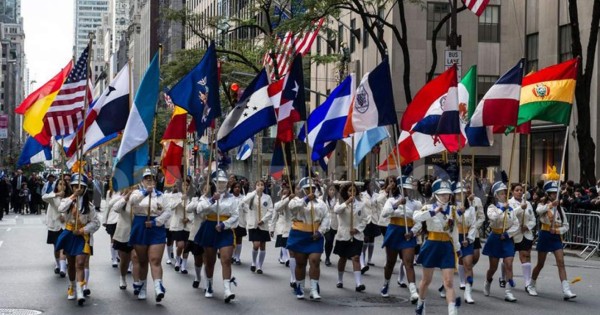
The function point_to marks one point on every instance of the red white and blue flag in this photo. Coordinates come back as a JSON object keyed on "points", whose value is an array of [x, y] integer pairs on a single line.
{"points": [[477, 6], [289, 101]]}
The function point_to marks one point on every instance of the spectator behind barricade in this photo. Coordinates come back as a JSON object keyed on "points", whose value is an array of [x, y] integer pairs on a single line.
{"points": [[581, 201]]}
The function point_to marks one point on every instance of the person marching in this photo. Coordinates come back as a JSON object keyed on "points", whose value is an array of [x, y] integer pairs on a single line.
{"points": [[499, 245], [467, 231], [310, 220], [148, 233], [258, 212], [400, 237], [240, 230], [55, 221], [194, 225], [352, 221], [553, 225], [281, 225], [81, 222], [479, 220], [179, 226], [442, 246], [369, 198], [119, 204], [524, 237], [331, 200], [110, 223], [216, 232]]}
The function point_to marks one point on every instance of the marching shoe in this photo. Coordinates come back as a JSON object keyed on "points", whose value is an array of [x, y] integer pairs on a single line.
{"points": [[314, 290], [531, 290], [259, 271], [486, 288], [442, 291], [195, 284], [70, 293], [62, 274], [136, 288], [462, 286], [508, 296], [420, 310], [56, 270], [402, 284], [227, 294], [468, 291], [169, 261], [384, 291], [208, 292], [364, 269], [142, 292], [86, 290], [115, 263], [360, 288], [253, 268], [184, 271], [339, 285], [567, 294], [502, 282], [414, 295], [80, 295], [327, 262], [122, 283], [298, 290], [159, 291]]}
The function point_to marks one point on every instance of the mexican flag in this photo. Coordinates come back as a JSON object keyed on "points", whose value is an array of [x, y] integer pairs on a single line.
{"points": [[548, 94]]}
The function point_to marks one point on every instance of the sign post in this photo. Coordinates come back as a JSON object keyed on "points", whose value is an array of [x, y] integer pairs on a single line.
{"points": [[453, 57]]}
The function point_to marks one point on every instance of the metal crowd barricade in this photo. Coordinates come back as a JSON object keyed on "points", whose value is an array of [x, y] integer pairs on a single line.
{"points": [[584, 231]]}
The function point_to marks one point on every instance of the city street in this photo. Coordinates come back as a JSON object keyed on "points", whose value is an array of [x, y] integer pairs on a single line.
{"points": [[28, 282]]}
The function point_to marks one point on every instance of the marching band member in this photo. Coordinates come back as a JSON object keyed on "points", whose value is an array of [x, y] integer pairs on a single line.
{"points": [[216, 232], [81, 223], [369, 198], [240, 230], [179, 226], [195, 220], [499, 245], [258, 212], [467, 218], [352, 221], [524, 237], [148, 233], [330, 200], [442, 246], [479, 220], [110, 223], [553, 225], [400, 238], [55, 222], [281, 223], [119, 204], [310, 220]]}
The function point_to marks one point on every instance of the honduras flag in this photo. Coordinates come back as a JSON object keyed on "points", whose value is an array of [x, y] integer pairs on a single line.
{"points": [[253, 113], [326, 123], [132, 156], [245, 150], [198, 91], [34, 152], [106, 117]]}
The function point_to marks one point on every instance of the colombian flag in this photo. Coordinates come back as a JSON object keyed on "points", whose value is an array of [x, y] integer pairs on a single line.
{"points": [[548, 94], [35, 106]]}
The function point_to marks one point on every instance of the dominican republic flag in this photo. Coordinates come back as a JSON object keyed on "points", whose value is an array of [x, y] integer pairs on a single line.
{"points": [[326, 123], [289, 101], [34, 152], [477, 6], [253, 113], [412, 146], [373, 105], [500, 105], [198, 91], [424, 112], [132, 157], [449, 123], [467, 103], [106, 117]]}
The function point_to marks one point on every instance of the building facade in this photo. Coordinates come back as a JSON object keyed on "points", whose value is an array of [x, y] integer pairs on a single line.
{"points": [[88, 17]]}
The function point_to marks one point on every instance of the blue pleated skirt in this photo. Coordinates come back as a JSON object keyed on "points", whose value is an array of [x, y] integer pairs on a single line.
{"points": [[548, 242], [498, 248], [208, 236], [141, 235], [71, 244], [437, 254], [394, 238], [303, 242], [466, 251]]}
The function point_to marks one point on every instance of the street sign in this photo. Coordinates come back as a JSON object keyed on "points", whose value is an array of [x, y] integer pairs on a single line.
{"points": [[3, 126], [453, 57]]}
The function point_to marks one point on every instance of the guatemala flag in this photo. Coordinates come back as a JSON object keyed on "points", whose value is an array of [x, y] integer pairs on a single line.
{"points": [[132, 157]]}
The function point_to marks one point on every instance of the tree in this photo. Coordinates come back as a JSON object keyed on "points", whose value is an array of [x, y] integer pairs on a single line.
{"points": [[587, 147]]}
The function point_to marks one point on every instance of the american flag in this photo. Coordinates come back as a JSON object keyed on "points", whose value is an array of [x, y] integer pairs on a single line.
{"points": [[477, 6], [288, 45], [65, 113]]}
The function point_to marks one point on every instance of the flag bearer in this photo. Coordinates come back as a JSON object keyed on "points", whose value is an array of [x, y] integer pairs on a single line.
{"points": [[55, 222], [524, 237], [119, 204], [259, 211], [467, 230]]}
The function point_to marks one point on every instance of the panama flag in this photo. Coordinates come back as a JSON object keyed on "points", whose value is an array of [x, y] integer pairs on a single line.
{"points": [[373, 105]]}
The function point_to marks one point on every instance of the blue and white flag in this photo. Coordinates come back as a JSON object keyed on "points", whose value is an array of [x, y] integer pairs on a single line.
{"points": [[253, 113], [34, 152], [326, 123], [245, 150], [366, 141], [132, 157]]}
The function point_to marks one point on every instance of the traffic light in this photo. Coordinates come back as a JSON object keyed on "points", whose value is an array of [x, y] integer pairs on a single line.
{"points": [[235, 88]]}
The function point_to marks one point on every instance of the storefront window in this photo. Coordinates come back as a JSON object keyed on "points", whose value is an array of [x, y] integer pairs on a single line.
{"points": [[546, 152]]}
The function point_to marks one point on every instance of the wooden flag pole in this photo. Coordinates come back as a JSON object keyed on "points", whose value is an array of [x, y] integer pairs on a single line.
{"points": [[354, 190], [508, 193], [286, 167], [562, 162], [296, 160], [310, 181], [460, 180]]}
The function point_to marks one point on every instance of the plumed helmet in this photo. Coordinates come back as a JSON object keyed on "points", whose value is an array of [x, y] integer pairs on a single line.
{"points": [[458, 187], [305, 183], [75, 179], [405, 181], [498, 186], [219, 176], [551, 186], [441, 186]]}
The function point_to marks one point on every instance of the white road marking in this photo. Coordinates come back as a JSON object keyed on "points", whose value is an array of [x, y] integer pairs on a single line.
{"points": [[1, 243], [8, 230]]}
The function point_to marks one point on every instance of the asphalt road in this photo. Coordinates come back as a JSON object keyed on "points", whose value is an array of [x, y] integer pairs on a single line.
{"points": [[27, 281]]}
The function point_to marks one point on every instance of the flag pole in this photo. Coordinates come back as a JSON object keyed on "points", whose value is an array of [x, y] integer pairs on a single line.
{"points": [[308, 171], [153, 146], [296, 160], [184, 188], [472, 173], [562, 162], [512, 154], [528, 162], [354, 190], [287, 170], [460, 180], [399, 163]]}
